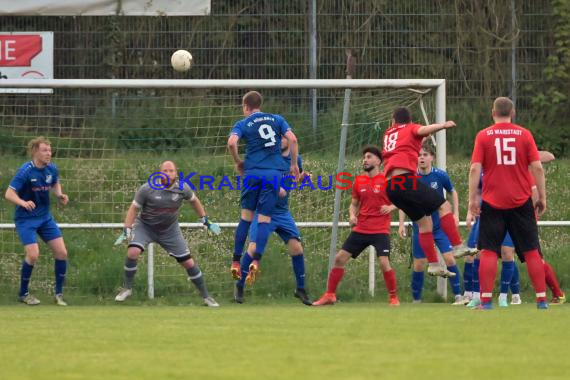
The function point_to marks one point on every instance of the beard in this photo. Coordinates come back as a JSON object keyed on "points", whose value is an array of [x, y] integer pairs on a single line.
{"points": [[368, 168]]}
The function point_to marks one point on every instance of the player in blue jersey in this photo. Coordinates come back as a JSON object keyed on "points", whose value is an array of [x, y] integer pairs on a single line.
{"points": [[262, 169], [30, 191], [438, 180], [283, 224]]}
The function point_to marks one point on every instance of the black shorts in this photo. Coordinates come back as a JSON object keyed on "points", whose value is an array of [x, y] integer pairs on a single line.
{"points": [[357, 242], [413, 197], [520, 222]]}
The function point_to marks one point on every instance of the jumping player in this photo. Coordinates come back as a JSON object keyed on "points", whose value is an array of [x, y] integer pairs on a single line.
{"points": [[263, 167], [402, 143]]}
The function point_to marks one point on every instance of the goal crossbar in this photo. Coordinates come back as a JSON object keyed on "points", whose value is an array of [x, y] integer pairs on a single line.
{"points": [[222, 83]]}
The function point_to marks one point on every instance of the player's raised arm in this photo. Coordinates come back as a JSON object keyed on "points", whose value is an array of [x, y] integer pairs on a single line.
{"points": [[426, 130], [545, 156]]}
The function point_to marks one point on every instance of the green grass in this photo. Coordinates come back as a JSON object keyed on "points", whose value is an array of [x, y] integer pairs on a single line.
{"points": [[283, 341]]}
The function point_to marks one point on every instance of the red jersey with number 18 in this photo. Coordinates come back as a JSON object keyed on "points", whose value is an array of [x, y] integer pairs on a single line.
{"points": [[402, 146], [505, 151]]}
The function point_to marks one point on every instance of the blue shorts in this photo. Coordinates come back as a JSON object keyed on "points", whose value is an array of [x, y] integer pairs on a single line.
{"points": [[441, 241], [259, 191], [44, 226], [282, 223], [474, 237]]}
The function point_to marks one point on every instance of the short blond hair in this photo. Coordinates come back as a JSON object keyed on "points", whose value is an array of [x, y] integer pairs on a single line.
{"points": [[503, 107], [34, 144]]}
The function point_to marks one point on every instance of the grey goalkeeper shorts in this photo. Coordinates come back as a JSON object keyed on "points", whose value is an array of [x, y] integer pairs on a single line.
{"points": [[170, 239]]}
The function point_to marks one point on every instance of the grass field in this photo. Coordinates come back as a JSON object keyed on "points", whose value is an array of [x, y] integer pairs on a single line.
{"points": [[283, 341]]}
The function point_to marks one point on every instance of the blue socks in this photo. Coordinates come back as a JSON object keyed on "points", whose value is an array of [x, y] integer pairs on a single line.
{"points": [[298, 263], [25, 278], [60, 268], [262, 237], [417, 285], [468, 277], [476, 276], [245, 262], [515, 284], [455, 281], [241, 236], [506, 275]]}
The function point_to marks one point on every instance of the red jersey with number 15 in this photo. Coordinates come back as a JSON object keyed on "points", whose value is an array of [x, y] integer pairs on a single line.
{"points": [[402, 146], [505, 151]]}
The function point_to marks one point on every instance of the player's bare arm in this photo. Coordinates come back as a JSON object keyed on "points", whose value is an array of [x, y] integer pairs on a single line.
{"points": [[58, 192], [470, 219], [201, 212], [387, 209], [545, 156], [401, 224], [474, 178], [353, 211], [13, 197], [538, 173], [426, 130], [233, 148], [294, 149], [455, 201], [197, 206], [131, 215]]}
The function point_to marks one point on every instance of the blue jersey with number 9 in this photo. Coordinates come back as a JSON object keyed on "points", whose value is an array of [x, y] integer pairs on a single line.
{"points": [[262, 133]]}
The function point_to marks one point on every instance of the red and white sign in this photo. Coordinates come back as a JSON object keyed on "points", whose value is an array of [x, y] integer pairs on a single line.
{"points": [[26, 55]]}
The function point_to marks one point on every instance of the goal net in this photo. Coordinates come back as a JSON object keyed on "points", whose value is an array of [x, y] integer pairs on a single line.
{"points": [[109, 136]]}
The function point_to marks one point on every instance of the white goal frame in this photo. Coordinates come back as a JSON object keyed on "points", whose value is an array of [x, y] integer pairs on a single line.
{"points": [[438, 85]]}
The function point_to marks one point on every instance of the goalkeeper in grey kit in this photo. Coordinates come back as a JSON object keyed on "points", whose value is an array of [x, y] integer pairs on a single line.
{"points": [[157, 222]]}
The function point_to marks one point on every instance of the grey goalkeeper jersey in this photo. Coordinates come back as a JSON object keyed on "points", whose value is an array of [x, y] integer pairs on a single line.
{"points": [[160, 208]]}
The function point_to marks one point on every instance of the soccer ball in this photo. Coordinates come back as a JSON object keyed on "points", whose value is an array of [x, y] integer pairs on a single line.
{"points": [[181, 60]]}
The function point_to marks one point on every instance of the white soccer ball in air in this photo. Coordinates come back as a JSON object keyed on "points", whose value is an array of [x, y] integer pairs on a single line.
{"points": [[181, 60]]}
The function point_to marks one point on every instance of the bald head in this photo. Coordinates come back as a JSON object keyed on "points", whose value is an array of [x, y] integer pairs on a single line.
{"points": [[167, 164], [169, 168], [503, 108]]}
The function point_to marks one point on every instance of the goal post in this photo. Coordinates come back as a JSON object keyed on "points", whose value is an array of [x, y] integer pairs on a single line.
{"points": [[108, 134]]}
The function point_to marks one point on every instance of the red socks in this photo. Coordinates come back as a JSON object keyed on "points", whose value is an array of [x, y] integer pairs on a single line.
{"points": [[536, 270], [428, 246], [390, 280], [551, 280], [487, 274], [334, 278], [447, 223]]}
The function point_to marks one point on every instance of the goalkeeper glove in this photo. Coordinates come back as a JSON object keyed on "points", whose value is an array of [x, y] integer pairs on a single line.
{"points": [[125, 235], [213, 227]]}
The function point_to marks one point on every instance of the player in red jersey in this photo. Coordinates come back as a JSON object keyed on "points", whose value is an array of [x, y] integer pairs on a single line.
{"points": [[370, 216], [507, 154], [558, 296], [402, 144]]}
